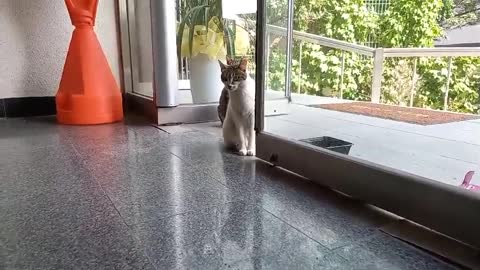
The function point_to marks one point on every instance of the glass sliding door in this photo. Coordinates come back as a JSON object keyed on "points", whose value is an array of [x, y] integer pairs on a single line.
{"points": [[140, 31], [278, 47], [141, 47], [369, 115], [163, 75]]}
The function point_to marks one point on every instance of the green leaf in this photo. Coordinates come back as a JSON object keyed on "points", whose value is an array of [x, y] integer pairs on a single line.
{"points": [[230, 43], [189, 16], [196, 19], [181, 29]]}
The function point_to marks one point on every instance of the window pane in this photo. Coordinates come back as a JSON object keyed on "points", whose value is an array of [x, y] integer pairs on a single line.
{"points": [[416, 111]]}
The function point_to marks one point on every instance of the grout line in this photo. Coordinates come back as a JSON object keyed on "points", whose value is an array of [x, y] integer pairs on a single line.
{"points": [[295, 228], [358, 240], [100, 185], [138, 241]]}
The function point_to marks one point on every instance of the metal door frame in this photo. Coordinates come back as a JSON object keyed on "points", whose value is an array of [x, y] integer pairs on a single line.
{"points": [[163, 108]]}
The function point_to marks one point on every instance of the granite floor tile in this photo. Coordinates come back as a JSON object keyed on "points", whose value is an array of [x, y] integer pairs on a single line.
{"points": [[328, 217], [384, 252], [56, 234], [203, 154], [109, 139], [30, 133], [117, 140], [154, 183], [194, 136], [237, 235], [131, 196], [53, 216], [38, 169]]}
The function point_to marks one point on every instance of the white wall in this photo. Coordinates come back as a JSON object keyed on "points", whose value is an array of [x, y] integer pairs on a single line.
{"points": [[34, 38]]}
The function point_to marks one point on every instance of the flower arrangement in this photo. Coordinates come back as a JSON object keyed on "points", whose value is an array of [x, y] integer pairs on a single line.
{"points": [[202, 30]]}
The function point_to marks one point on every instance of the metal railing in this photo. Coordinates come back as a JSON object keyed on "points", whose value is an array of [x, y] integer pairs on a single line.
{"points": [[323, 41], [379, 55], [424, 52]]}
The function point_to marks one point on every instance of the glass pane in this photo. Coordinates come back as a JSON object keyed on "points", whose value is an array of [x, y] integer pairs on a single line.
{"points": [[222, 27], [276, 57], [425, 120], [141, 47], [141, 50]]}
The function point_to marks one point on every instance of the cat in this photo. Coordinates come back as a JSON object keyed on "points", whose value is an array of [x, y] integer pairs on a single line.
{"points": [[239, 121]]}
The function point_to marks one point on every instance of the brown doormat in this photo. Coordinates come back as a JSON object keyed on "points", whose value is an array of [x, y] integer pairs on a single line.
{"points": [[397, 113]]}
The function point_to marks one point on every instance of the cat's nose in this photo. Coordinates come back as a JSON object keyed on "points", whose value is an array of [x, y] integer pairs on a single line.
{"points": [[230, 85]]}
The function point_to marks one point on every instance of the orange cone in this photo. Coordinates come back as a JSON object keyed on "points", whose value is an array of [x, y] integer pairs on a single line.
{"points": [[88, 92]]}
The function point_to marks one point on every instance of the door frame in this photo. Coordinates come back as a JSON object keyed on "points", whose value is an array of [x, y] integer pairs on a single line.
{"points": [[163, 107], [447, 209]]}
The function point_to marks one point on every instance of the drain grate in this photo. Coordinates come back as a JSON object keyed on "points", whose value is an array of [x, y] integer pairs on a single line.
{"points": [[330, 143]]}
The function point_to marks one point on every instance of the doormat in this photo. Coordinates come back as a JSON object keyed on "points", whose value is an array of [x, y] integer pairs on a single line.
{"points": [[397, 113]]}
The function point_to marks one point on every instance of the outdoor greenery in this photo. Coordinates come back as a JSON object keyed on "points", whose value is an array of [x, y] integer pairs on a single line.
{"points": [[405, 23], [459, 13]]}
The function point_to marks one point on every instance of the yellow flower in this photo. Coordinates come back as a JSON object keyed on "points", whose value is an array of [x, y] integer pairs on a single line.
{"points": [[242, 41], [211, 41]]}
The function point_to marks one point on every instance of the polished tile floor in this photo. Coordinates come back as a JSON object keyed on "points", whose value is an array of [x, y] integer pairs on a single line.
{"points": [[130, 196]]}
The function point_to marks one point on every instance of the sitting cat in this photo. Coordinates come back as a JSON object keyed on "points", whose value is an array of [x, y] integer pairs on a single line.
{"points": [[238, 125]]}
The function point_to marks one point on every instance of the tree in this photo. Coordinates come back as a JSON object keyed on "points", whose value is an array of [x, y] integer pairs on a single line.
{"points": [[410, 23], [457, 13], [406, 23]]}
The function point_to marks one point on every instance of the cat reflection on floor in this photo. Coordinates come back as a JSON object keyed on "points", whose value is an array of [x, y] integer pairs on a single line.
{"points": [[237, 107]]}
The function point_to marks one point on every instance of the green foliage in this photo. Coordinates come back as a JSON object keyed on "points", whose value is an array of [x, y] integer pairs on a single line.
{"points": [[406, 23], [464, 84], [460, 13], [410, 23], [320, 67], [447, 10], [347, 20], [398, 81]]}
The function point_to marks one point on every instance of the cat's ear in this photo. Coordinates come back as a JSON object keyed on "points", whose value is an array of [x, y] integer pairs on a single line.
{"points": [[222, 65], [243, 64]]}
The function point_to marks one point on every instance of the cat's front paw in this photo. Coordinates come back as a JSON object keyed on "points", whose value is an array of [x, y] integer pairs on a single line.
{"points": [[242, 152], [251, 153]]}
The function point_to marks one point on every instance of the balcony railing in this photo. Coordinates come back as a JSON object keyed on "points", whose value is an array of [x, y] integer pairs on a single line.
{"points": [[378, 55]]}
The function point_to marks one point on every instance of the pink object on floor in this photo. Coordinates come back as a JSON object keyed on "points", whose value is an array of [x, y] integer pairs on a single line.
{"points": [[466, 182]]}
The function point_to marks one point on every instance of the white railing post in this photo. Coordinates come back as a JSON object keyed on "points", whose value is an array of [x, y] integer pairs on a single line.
{"points": [[267, 53], [342, 73], [447, 86], [300, 68], [414, 78], [288, 77], [377, 75]]}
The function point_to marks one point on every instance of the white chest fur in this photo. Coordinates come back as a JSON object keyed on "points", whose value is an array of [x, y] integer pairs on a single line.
{"points": [[238, 128]]}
